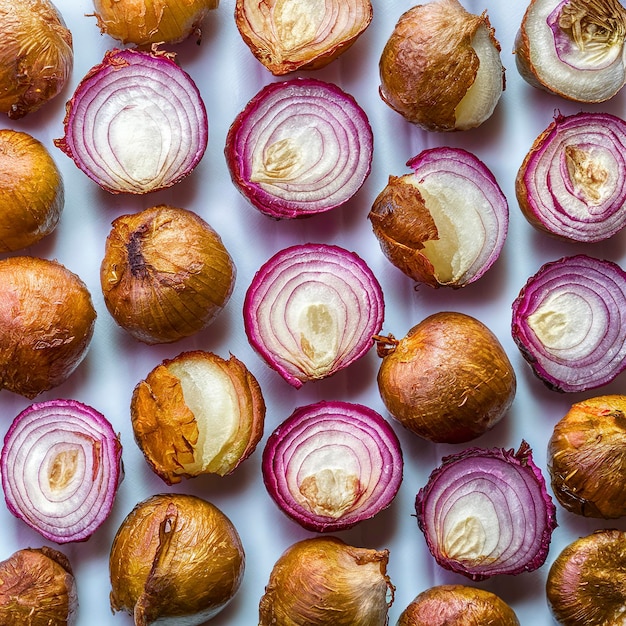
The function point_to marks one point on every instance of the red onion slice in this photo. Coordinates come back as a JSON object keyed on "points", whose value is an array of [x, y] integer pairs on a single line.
{"points": [[312, 310], [487, 512], [299, 147], [331, 465], [61, 466], [569, 323], [136, 123], [572, 182]]}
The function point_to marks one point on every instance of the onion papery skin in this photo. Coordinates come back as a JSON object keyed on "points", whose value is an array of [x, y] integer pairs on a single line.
{"points": [[136, 122], [573, 49], [324, 31], [486, 512], [571, 182], [331, 465], [446, 223], [61, 466], [299, 147], [568, 322], [311, 310]]}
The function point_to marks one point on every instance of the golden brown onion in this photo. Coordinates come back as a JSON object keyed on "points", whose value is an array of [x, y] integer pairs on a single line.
{"points": [[165, 274], [36, 58]]}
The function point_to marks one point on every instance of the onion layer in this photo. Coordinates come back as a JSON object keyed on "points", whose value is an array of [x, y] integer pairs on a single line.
{"points": [[487, 512], [568, 322], [299, 147], [572, 182], [331, 465], [312, 310], [136, 123], [61, 466]]}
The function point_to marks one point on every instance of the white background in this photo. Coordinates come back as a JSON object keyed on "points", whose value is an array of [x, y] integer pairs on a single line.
{"points": [[228, 76]]}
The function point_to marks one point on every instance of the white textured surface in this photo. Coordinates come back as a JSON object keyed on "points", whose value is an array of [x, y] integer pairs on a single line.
{"points": [[228, 76]]}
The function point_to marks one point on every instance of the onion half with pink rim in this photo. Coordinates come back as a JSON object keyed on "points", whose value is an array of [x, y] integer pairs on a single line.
{"points": [[299, 147], [61, 465], [331, 465], [312, 310], [136, 122], [569, 322]]}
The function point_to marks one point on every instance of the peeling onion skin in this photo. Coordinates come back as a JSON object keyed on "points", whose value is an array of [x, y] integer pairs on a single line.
{"points": [[573, 49], [176, 558], [585, 584], [37, 59], [457, 605], [571, 182], [322, 580], [181, 435], [146, 22], [166, 274], [568, 323], [47, 320], [441, 39], [38, 588], [586, 458], [302, 35], [276, 148], [470, 513], [331, 465], [449, 380]]}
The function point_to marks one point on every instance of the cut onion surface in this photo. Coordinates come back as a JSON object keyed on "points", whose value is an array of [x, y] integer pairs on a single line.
{"points": [[299, 147], [331, 465], [572, 182], [445, 224], [61, 466], [136, 122], [312, 310], [569, 323], [487, 512]]}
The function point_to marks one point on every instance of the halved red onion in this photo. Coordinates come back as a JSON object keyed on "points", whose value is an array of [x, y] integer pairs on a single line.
{"points": [[331, 465], [487, 512], [572, 182], [61, 465], [299, 147], [569, 322], [136, 122], [312, 310]]}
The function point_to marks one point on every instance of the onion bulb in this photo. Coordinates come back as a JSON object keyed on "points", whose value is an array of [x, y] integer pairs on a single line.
{"points": [[444, 224], [441, 67], [47, 319], [165, 274], [146, 22], [573, 48], [448, 380], [37, 55], [487, 512], [32, 194], [175, 559], [323, 580], [307, 34], [38, 588], [197, 414]]}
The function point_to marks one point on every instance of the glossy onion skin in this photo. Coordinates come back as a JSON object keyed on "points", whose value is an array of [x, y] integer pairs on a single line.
{"points": [[571, 182], [322, 580], [585, 584], [347, 445]]}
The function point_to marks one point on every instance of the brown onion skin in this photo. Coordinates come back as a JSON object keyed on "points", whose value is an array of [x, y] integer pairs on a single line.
{"points": [[165, 274], [47, 320], [38, 588], [37, 57], [449, 380], [457, 605], [587, 458]]}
